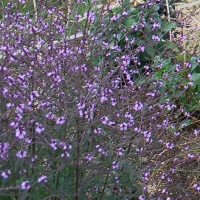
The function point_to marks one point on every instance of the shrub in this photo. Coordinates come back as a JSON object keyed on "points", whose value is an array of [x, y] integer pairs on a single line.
{"points": [[85, 118]]}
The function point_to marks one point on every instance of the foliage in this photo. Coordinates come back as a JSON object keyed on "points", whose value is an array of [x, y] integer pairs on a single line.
{"points": [[132, 35], [97, 117]]}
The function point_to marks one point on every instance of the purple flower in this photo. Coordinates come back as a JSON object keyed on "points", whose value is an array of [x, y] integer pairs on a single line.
{"points": [[21, 154], [39, 128], [34, 158], [22, 1], [90, 15], [20, 133], [89, 157], [34, 95], [6, 173], [60, 120], [169, 145], [115, 165], [141, 197], [65, 154], [98, 131], [99, 148], [123, 126], [54, 144], [190, 155], [138, 106], [197, 187], [25, 185], [42, 178], [196, 132], [115, 17], [104, 120], [155, 38], [156, 25], [135, 27], [49, 115]]}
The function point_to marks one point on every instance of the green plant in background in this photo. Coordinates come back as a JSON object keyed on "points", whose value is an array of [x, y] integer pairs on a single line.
{"points": [[138, 30], [180, 83]]}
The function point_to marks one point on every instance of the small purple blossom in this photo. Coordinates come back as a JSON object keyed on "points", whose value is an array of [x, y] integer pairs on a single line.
{"points": [[65, 154], [190, 155], [120, 151], [42, 179], [89, 157], [54, 144], [98, 131], [156, 26], [197, 187], [123, 126], [34, 95], [25, 185], [187, 65], [134, 27], [169, 145], [99, 148], [21, 154], [39, 128], [141, 197], [115, 17], [22, 1], [6, 173], [138, 106], [90, 15], [104, 120], [196, 132], [115, 165], [20, 133], [60, 120], [155, 38], [34, 158], [50, 116]]}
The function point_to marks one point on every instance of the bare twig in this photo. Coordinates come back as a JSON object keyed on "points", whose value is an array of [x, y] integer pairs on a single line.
{"points": [[168, 17], [35, 9]]}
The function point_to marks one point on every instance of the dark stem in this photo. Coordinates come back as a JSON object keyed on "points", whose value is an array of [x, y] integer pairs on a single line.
{"points": [[77, 160], [104, 186]]}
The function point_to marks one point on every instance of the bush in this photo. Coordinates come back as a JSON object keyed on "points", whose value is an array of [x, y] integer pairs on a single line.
{"points": [[95, 117]]}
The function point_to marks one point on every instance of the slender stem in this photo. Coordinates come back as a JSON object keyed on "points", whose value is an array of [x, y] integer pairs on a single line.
{"points": [[168, 17], [57, 181], [67, 11], [77, 160], [35, 9], [102, 193]]}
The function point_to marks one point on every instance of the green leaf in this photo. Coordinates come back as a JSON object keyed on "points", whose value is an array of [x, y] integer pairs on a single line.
{"points": [[119, 36], [150, 50], [117, 10], [129, 21], [96, 60], [163, 45], [183, 100], [172, 46], [193, 59], [167, 26], [194, 65], [126, 3], [186, 122], [196, 77], [181, 58], [5, 198]]}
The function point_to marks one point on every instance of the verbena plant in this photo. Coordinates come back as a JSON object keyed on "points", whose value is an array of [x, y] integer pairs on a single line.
{"points": [[85, 118]]}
